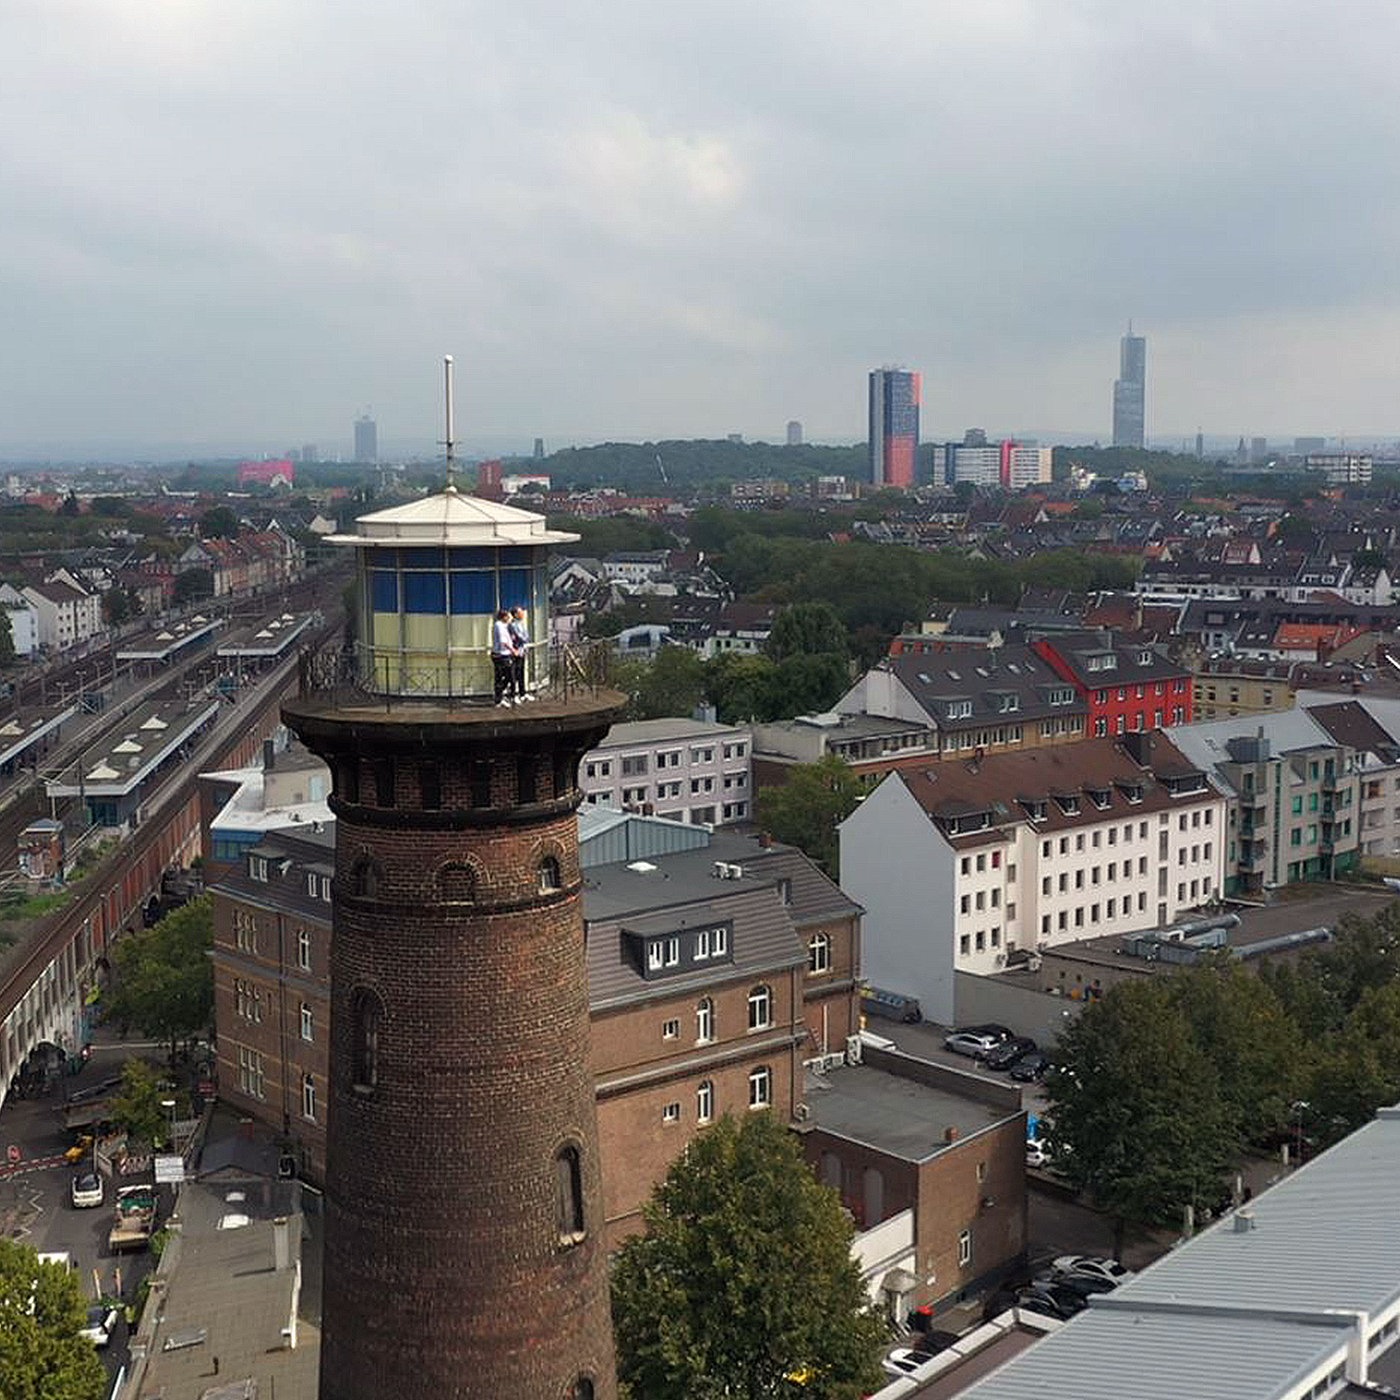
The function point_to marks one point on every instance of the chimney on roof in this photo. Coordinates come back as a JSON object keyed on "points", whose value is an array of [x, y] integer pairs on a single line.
{"points": [[1244, 1221], [269, 755], [951, 1134]]}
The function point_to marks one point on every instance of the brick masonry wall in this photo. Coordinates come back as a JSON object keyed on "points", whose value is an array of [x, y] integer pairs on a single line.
{"points": [[443, 1238]]}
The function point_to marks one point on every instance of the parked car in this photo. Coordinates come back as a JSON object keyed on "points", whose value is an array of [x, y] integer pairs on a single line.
{"points": [[1036, 1155], [1010, 1051], [1093, 1266], [1084, 1284], [101, 1323], [891, 1006], [992, 1028], [1066, 1301], [966, 1043], [86, 1191], [1031, 1067], [902, 1360], [1041, 1303]]}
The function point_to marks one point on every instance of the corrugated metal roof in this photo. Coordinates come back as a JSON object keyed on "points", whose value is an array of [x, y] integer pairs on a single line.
{"points": [[1240, 1314], [1110, 1354]]}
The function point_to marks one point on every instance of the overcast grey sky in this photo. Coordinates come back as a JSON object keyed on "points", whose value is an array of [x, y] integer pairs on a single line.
{"points": [[233, 226]]}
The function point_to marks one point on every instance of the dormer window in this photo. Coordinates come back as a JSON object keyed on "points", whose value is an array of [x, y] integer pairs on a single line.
{"points": [[959, 709], [1062, 696], [1068, 803], [1100, 797], [1145, 657], [1037, 808], [257, 868], [1132, 791]]}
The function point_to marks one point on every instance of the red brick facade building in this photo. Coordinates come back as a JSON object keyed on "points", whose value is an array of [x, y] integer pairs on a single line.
{"points": [[1129, 688]]}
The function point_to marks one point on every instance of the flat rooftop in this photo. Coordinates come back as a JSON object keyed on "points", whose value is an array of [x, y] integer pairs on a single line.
{"points": [[1319, 910], [897, 1115], [661, 731]]}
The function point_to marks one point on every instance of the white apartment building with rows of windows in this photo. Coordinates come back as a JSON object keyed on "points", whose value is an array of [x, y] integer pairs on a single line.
{"points": [[962, 867], [689, 770]]}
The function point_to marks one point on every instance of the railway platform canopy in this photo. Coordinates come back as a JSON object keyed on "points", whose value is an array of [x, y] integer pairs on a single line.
{"points": [[268, 640], [112, 777], [162, 645], [27, 734]]}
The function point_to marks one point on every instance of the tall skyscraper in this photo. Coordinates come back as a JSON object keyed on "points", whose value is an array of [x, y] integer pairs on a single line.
{"points": [[464, 1230], [366, 439], [894, 426], [1130, 391], [794, 433]]}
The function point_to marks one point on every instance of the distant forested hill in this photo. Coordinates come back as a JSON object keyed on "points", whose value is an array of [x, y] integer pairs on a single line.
{"points": [[696, 464]]}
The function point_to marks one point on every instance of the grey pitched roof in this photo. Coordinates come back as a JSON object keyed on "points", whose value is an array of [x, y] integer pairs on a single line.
{"points": [[982, 676]]}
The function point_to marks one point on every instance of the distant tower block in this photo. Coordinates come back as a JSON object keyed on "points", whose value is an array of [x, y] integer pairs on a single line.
{"points": [[366, 439], [539, 449], [464, 1233], [794, 433]]}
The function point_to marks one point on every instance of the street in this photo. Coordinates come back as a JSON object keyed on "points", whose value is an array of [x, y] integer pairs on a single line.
{"points": [[35, 1207]]}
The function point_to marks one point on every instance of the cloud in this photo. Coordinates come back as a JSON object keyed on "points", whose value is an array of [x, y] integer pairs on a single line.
{"points": [[238, 225]]}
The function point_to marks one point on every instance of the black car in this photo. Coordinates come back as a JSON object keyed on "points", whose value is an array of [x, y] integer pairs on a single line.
{"points": [[991, 1028], [1030, 1068], [1052, 1299], [1083, 1284], [1009, 1052]]}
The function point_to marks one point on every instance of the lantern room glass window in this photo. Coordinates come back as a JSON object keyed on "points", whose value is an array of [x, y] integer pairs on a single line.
{"points": [[428, 614]]}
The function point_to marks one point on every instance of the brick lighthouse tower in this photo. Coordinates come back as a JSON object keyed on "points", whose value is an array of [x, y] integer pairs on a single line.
{"points": [[464, 1249]]}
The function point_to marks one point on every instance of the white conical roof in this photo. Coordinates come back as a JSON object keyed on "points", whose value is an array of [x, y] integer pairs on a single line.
{"points": [[452, 517]]}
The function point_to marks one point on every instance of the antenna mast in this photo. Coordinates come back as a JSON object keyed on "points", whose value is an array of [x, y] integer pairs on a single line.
{"points": [[448, 440]]}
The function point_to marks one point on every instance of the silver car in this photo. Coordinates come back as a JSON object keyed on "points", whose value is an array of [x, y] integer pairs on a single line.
{"points": [[978, 1047]]}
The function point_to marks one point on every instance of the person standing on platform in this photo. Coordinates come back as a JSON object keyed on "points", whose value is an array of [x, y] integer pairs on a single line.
{"points": [[520, 636], [503, 657]]}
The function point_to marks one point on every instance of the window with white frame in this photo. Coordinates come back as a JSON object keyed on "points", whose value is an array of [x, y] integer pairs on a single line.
{"points": [[671, 1113], [760, 1008], [308, 1098], [303, 938], [245, 931], [704, 1021], [964, 1249], [761, 1087], [307, 1022], [819, 954], [670, 1030], [251, 1073], [705, 1101]]}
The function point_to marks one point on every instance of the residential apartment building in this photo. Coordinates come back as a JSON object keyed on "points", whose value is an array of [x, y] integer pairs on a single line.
{"points": [[24, 620], [689, 770], [1127, 688], [1371, 730], [894, 427], [66, 615], [1225, 687], [868, 744], [967, 867], [996, 700], [718, 967], [1007, 466], [1294, 797]]}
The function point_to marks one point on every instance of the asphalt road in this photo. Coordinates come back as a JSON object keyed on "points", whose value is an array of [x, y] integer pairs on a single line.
{"points": [[35, 1205]]}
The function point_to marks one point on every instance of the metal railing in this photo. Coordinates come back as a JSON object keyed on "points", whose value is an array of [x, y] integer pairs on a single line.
{"points": [[355, 675]]}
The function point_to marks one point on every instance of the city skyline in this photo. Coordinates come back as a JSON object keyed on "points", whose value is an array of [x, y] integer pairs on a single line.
{"points": [[676, 224], [1130, 392]]}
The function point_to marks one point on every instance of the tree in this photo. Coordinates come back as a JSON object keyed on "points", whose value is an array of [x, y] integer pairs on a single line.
{"points": [[218, 523], [7, 639], [807, 629], [192, 584], [42, 1357], [809, 684], [741, 687], [1243, 1030], [116, 606], [1137, 1118], [806, 810], [743, 1277], [164, 979], [672, 684], [137, 1106], [70, 506]]}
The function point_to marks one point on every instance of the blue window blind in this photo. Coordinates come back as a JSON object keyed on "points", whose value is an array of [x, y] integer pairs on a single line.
{"points": [[515, 588], [424, 593], [383, 591], [473, 593]]}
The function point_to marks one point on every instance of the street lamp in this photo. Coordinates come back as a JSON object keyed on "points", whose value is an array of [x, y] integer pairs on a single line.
{"points": [[169, 1106], [1299, 1109]]}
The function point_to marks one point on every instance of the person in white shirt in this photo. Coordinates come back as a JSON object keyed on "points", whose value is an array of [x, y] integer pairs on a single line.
{"points": [[503, 657]]}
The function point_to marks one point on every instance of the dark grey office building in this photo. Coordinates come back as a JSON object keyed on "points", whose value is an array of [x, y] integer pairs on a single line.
{"points": [[1130, 391]]}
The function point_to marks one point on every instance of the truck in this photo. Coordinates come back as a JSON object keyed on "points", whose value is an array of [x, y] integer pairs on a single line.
{"points": [[135, 1218]]}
